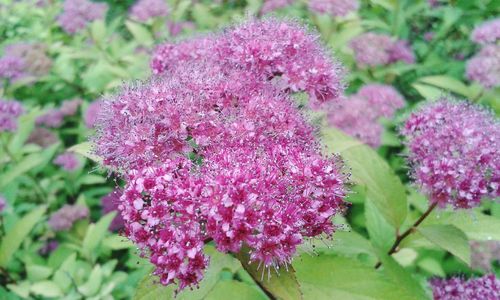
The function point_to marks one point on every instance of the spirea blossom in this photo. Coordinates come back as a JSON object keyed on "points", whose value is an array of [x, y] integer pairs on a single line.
{"points": [[54, 118], [484, 254], [24, 60], [487, 33], [455, 288], [265, 49], [358, 115], [144, 10], [272, 5], [374, 49], [11, 67], [91, 114], [217, 149], [78, 13], [67, 161], [454, 153], [338, 8], [64, 218], [42, 137], [3, 203], [9, 113], [484, 67], [48, 247], [109, 204]]}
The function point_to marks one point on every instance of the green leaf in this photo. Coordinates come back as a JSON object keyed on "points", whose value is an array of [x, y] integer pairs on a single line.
{"points": [[140, 33], [335, 277], [46, 288], [383, 187], [427, 91], [447, 83], [37, 272], [85, 149], [203, 17], [24, 166], [450, 238], [15, 236], [95, 234], [90, 179], [229, 290], [22, 289], [404, 280], [381, 233], [116, 242], [149, 288], [282, 286], [26, 124], [91, 287], [98, 31]]}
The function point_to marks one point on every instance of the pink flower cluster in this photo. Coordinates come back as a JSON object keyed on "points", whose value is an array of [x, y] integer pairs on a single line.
{"points": [[272, 5], [484, 253], [3, 203], [216, 149], [338, 8], [78, 13], [481, 288], [374, 49], [64, 218], [358, 115], [484, 67], [454, 153], [109, 204], [91, 114], [487, 33], [265, 50], [55, 117], [144, 10], [42, 137], [67, 161], [9, 113], [22, 60]]}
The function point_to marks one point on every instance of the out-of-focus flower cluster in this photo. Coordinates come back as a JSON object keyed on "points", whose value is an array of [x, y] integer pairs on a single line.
{"points": [[67, 161], [109, 204], [66, 216], [374, 49], [272, 5], [55, 117], [216, 149], [454, 152], [358, 115], [484, 253], [484, 67], [144, 10], [78, 13], [9, 113], [337, 8], [482, 288], [23, 60]]}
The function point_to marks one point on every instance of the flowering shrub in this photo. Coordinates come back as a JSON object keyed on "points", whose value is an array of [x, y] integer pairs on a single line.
{"points": [[163, 149]]}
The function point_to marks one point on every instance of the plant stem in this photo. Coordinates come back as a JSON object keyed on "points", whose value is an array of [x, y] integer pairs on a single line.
{"points": [[401, 237]]}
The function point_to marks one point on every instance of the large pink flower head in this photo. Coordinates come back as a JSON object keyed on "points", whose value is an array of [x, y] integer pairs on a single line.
{"points": [[9, 113], [338, 8], [487, 32], [211, 150], [454, 152], [144, 10], [78, 13], [374, 49], [266, 49], [456, 288], [484, 67]]}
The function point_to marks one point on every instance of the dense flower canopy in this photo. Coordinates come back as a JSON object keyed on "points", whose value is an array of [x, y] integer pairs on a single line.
{"points": [[482, 288], [454, 152], [217, 149]]}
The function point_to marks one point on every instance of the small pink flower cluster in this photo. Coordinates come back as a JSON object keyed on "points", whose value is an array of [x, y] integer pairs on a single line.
{"points": [[454, 153], [109, 204], [3, 203], [337, 8], [272, 5], [216, 149], [67, 161], [143, 10], [64, 218], [484, 253], [359, 114], [78, 13], [22, 60], [484, 67], [42, 137], [9, 113], [55, 117], [481, 288], [487, 33], [90, 117], [373, 49], [265, 49]]}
